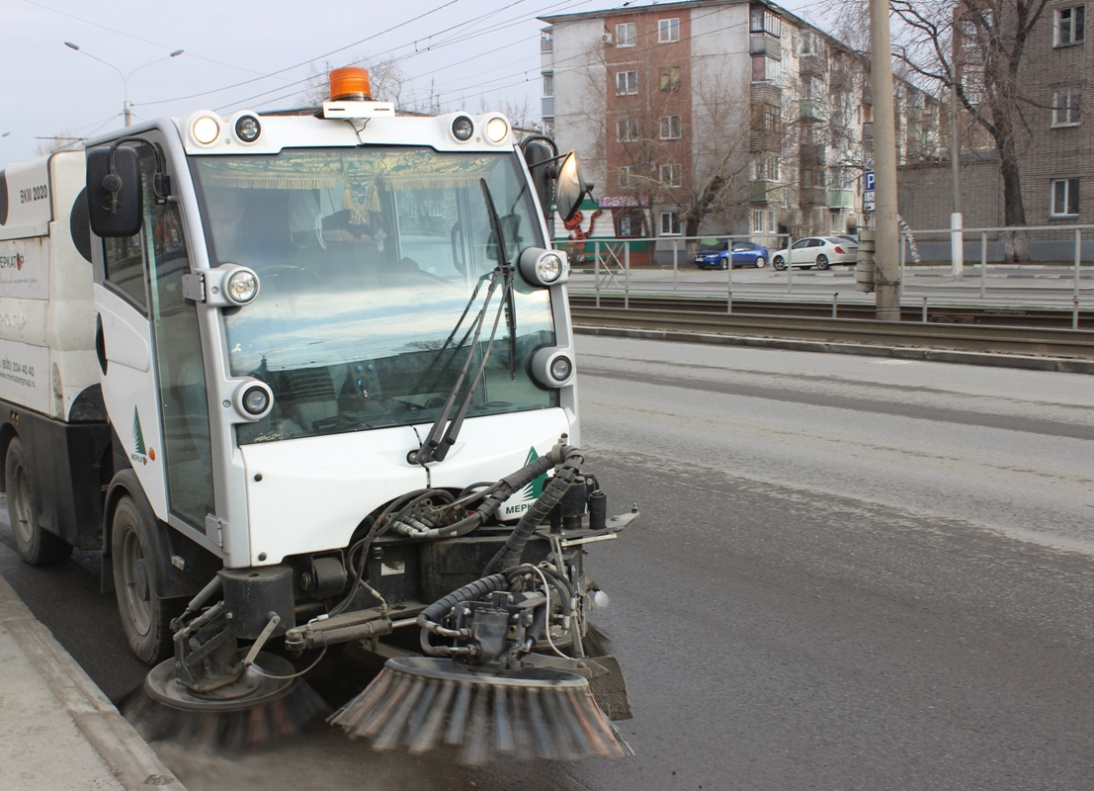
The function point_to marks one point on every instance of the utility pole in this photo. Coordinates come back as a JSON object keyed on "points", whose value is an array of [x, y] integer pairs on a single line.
{"points": [[957, 238], [887, 252]]}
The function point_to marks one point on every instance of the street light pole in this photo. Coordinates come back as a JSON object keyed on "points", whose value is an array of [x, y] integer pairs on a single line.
{"points": [[887, 234], [128, 106]]}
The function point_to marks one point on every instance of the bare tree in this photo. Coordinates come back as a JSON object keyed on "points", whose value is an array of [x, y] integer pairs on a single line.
{"points": [[677, 138], [977, 47]]}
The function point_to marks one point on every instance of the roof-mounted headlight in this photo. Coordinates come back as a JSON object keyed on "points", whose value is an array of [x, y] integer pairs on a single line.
{"points": [[553, 367], [248, 128], [462, 128], [497, 129], [205, 128], [543, 267]]}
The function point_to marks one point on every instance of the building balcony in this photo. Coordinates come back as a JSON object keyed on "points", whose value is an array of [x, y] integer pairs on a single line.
{"points": [[762, 142], [841, 199], [812, 66], [767, 93], [813, 196], [766, 192], [765, 44], [813, 154], [813, 110]]}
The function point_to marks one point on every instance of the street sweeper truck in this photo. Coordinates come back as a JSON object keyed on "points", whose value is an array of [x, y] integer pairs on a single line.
{"points": [[307, 381]]}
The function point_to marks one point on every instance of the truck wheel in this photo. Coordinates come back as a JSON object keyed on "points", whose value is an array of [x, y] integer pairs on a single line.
{"points": [[37, 546], [146, 618]]}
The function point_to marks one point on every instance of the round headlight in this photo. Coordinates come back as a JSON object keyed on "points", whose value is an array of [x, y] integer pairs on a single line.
{"points": [[463, 128], [253, 399], [205, 129], [496, 129], [256, 400], [242, 286], [248, 128], [561, 368], [542, 267], [549, 267]]}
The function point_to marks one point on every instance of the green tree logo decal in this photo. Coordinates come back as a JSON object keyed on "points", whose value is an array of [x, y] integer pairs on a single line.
{"points": [[533, 490], [138, 435]]}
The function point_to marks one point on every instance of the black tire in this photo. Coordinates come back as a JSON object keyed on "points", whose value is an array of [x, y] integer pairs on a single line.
{"points": [[822, 261], [725, 264], [146, 618], [760, 262], [779, 263], [37, 546]]}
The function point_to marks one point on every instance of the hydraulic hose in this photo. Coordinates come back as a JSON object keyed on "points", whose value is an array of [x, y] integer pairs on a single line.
{"points": [[510, 554]]}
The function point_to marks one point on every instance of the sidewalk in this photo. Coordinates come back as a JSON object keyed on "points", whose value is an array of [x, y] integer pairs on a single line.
{"points": [[58, 731]]}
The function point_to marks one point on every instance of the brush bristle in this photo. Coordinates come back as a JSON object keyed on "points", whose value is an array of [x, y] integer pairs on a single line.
{"points": [[252, 727], [421, 704]]}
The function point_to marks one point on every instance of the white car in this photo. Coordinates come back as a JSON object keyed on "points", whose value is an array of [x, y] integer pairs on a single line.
{"points": [[816, 251]]}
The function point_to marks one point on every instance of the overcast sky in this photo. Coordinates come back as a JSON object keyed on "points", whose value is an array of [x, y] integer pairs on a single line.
{"points": [[467, 54]]}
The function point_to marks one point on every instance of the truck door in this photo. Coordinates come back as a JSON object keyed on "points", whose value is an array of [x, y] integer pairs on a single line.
{"points": [[161, 400]]}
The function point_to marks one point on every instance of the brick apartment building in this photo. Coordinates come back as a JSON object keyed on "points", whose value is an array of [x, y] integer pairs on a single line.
{"points": [[1056, 147], [719, 117]]}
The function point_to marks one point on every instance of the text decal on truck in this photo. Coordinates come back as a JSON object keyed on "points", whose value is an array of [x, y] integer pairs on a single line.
{"points": [[529, 493]]}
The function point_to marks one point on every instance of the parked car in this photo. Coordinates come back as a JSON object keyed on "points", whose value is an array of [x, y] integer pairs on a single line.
{"points": [[742, 253], [819, 251]]}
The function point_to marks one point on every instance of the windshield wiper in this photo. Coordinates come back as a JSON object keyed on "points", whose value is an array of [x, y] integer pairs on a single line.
{"points": [[440, 439]]}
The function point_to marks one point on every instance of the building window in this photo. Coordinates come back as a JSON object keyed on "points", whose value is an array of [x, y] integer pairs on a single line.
{"points": [[1069, 26], [626, 177], [765, 68], [548, 83], [670, 127], [670, 78], [758, 216], [763, 21], [671, 175], [1065, 106], [1065, 198], [625, 34], [668, 31], [626, 130], [765, 168], [670, 223], [546, 41], [626, 83]]}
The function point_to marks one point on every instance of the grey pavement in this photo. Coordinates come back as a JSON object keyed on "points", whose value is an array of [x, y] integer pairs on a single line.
{"points": [[58, 731]]}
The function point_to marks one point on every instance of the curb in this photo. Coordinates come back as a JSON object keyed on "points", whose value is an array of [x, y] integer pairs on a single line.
{"points": [[1026, 362], [132, 762]]}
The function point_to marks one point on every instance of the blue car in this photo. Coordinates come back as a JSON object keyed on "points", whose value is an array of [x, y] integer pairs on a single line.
{"points": [[742, 253]]}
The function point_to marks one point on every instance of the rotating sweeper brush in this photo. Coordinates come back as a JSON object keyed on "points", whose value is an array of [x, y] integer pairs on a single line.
{"points": [[420, 703], [483, 692]]}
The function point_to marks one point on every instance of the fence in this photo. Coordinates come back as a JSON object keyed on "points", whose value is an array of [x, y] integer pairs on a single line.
{"points": [[1061, 250]]}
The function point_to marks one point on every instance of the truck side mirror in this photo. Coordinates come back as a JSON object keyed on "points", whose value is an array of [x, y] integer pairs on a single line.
{"points": [[537, 153], [570, 189], [114, 194]]}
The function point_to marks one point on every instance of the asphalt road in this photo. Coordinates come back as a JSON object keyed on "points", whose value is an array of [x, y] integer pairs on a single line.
{"points": [[850, 573]]}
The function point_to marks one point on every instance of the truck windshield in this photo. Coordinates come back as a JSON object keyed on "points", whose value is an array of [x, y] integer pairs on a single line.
{"points": [[372, 265]]}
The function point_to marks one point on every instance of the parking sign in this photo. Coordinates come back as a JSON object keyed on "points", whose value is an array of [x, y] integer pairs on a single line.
{"points": [[868, 180]]}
